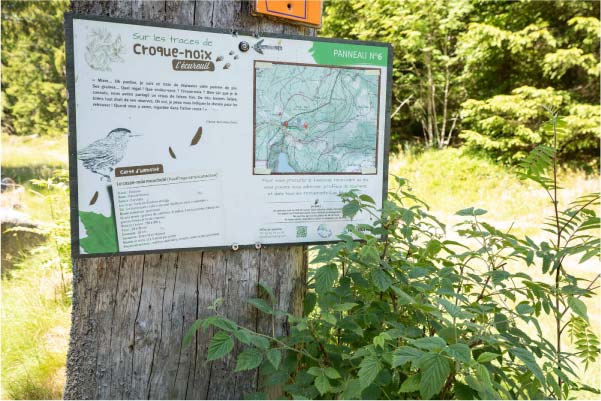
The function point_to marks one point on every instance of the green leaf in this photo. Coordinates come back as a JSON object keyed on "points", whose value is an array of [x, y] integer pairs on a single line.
{"points": [[221, 344], [276, 378], [433, 247], [351, 209], [268, 290], [404, 298], [101, 233], [487, 357], [380, 339], [380, 279], [259, 341], [243, 335], [370, 255], [325, 277], [219, 321], [261, 305], [411, 384], [352, 390], [343, 307], [274, 357], [482, 374], [578, 307], [322, 384], [430, 343], [523, 308], [309, 303], [248, 359], [405, 354], [470, 211], [435, 369], [191, 333], [329, 318], [460, 352], [369, 368], [367, 198], [332, 373], [501, 322], [528, 359]]}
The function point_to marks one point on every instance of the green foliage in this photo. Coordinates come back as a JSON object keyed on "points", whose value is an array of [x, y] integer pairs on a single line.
{"points": [[587, 343], [36, 301], [506, 126], [518, 56], [427, 91], [33, 68], [484, 68], [59, 228], [417, 315]]}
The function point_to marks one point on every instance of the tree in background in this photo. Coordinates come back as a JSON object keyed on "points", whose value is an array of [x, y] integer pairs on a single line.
{"points": [[427, 71], [519, 56], [485, 68], [33, 68]]}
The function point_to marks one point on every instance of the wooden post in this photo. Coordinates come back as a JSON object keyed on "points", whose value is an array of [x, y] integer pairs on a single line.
{"points": [[130, 313]]}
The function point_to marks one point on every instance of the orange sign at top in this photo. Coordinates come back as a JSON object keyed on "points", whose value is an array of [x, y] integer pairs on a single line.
{"points": [[307, 12]]}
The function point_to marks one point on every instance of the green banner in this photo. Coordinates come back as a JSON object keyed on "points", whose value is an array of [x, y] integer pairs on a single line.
{"points": [[331, 53]]}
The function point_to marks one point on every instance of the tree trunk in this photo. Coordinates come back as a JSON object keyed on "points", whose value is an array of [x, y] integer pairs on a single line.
{"points": [[130, 313]]}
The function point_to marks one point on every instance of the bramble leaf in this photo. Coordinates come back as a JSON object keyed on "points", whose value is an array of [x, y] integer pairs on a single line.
{"points": [[435, 369], [248, 359], [220, 345]]}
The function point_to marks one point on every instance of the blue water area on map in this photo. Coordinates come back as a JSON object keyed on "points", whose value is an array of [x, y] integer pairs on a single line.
{"points": [[283, 166]]}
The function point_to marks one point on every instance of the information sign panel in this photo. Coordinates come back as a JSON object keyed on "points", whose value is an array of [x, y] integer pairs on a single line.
{"points": [[189, 138]]}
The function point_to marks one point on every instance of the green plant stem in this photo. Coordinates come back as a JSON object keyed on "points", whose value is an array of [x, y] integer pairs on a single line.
{"points": [[558, 316], [283, 345], [321, 347], [589, 287]]}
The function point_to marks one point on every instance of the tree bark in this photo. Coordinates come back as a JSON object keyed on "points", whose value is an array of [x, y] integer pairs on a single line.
{"points": [[130, 313]]}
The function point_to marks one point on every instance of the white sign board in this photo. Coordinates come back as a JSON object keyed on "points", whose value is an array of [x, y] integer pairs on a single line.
{"points": [[189, 138]]}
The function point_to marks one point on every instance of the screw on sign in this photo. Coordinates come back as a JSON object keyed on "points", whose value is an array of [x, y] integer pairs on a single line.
{"points": [[243, 46]]}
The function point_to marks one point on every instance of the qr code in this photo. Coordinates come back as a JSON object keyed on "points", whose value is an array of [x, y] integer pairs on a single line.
{"points": [[301, 231]]}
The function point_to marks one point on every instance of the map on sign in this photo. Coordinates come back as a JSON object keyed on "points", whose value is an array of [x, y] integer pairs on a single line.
{"points": [[315, 119]]}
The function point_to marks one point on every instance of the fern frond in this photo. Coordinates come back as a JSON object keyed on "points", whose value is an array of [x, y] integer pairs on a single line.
{"points": [[585, 341], [536, 165]]}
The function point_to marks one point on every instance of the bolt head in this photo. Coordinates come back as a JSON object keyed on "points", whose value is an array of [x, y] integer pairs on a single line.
{"points": [[243, 46]]}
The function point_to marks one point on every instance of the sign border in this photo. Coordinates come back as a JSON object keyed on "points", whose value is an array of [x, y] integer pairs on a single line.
{"points": [[71, 115]]}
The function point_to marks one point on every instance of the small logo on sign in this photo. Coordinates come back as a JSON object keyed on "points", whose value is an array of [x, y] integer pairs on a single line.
{"points": [[323, 231]]}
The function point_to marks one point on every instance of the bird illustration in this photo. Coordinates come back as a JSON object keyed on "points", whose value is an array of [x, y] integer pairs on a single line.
{"points": [[102, 155]]}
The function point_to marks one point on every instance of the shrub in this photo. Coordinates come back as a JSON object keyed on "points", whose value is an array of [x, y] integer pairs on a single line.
{"points": [[407, 313], [507, 126]]}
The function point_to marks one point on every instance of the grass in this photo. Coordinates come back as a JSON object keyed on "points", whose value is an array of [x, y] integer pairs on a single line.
{"points": [[35, 308], [31, 157], [450, 180], [35, 326], [35, 295]]}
